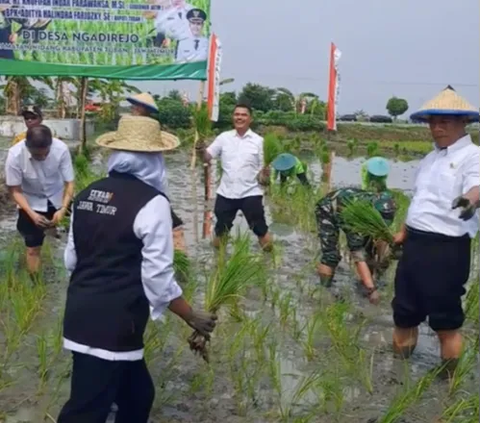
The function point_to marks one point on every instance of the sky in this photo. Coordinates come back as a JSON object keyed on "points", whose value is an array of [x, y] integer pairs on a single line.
{"points": [[409, 48]]}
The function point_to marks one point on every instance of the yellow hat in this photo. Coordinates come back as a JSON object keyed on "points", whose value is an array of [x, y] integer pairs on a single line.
{"points": [[144, 100], [139, 134], [448, 102]]}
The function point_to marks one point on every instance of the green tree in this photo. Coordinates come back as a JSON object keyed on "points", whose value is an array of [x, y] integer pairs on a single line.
{"points": [[258, 97], [284, 100], [175, 95], [397, 107], [40, 97], [173, 114], [112, 93], [229, 98]]}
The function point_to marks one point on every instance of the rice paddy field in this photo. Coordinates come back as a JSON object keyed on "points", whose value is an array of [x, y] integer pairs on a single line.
{"points": [[287, 350], [81, 53]]}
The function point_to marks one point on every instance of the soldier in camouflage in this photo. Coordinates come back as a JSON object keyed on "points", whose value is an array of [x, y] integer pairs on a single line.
{"points": [[329, 221]]}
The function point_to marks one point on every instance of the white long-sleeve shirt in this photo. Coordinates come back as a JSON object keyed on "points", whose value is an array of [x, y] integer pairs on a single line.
{"points": [[241, 160], [153, 225], [444, 175]]}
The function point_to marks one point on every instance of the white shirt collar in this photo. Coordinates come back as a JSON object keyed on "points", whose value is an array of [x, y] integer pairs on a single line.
{"points": [[457, 145], [248, 134]]}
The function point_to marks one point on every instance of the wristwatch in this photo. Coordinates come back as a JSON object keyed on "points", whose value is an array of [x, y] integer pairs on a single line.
{"points": [[370, 291]]}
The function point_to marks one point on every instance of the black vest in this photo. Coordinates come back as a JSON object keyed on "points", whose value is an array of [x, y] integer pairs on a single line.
{"points": [[106, 303]]}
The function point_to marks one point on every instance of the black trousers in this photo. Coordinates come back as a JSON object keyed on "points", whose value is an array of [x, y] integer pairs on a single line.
{"points": [[430, 281], [226, 210], [31, 233], [97, 384]]}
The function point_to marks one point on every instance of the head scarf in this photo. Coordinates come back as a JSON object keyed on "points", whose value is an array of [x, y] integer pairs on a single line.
{"points": [[148, 167]]}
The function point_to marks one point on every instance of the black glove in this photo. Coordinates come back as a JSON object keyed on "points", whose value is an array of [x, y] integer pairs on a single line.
{"points": [[469, 209], [397, 252], [200, 146]]}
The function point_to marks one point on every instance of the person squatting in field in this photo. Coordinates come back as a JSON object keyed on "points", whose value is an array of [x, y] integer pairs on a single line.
{"points": [[287, 166], [143, 104], [39, 175], [243, 176], [120, 255], [436, 238], [330, 223]]}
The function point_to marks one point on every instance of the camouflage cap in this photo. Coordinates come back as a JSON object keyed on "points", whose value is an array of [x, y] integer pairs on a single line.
{"points": [[32, 110]]}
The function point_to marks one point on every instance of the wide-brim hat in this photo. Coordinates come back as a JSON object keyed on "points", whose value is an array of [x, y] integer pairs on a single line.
{"points": [[378, 166], [139, 134], [448, 102], [144, 100], [283, 162]]}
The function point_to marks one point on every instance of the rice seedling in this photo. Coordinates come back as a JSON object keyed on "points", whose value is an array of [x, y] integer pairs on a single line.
{"points": [[396, 149], [352, 146], [271, 148], [43, 359], [228, 283], [466, 366], [310, 331], [285, 308], [373, 149], [464, 410], [182, 266], [472, 302], [402, 203], [408, 397], [362, 218], [345, 342]]}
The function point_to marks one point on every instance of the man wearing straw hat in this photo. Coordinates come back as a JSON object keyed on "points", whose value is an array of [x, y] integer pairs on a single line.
{"points": [[436, 237], [143, 104], [120, 255]]}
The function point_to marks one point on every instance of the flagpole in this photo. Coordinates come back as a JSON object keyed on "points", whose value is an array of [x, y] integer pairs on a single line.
{"points": [[193, 164]]}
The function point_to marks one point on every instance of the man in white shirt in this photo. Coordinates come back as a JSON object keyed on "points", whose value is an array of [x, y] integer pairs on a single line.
{"points": [[39, 175], [195, 47], [120, 255], [243, 174], [436, 238]]}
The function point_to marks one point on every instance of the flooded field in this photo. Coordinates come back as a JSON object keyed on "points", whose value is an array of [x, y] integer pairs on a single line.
{"points": [[287, 353]]}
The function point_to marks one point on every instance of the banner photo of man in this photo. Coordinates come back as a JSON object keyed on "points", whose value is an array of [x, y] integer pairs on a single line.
{"points": [[121, 33]]}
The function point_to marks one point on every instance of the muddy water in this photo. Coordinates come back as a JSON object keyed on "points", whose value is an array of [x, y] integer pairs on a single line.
{"points": [[189, 391]]}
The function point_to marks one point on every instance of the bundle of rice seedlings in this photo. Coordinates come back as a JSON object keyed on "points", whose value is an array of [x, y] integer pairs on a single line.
{"points": [[181, 266], [228, 283], [271, 148], [362, 218], [203, 124]]}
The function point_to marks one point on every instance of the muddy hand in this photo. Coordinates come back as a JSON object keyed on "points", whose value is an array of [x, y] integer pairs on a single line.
{"points": [[469, 209], [203, 322], [374, 297], [40, 221]]}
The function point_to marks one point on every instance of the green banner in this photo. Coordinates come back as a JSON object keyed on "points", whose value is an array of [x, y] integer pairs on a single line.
{"points": [[130, 39]]}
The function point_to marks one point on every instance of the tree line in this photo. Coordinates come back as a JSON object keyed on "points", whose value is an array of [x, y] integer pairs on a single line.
{"points": [[272, 106]]}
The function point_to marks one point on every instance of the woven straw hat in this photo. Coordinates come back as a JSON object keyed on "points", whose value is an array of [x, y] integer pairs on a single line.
{"points": [[140, 134], [144, 100], [448, 102]]}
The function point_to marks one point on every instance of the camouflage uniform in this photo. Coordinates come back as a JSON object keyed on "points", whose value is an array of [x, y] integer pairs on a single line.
{"points": [[329, 222]]}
